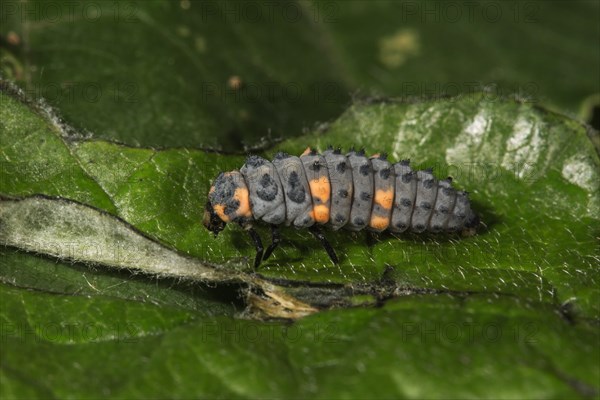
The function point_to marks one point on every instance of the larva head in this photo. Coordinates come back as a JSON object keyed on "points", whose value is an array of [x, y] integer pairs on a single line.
{"points": [[211, 220]]}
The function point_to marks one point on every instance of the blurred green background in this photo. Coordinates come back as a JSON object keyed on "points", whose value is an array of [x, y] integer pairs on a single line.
{"points": [[235, 74]]}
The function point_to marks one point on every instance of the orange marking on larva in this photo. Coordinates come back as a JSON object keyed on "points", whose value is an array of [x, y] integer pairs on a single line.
{"points": [[306, 152], [384, 198], [220, 210], [320, 213], [320, 189], [375, 155], [212, 190], [379, 223], [241, 194]]}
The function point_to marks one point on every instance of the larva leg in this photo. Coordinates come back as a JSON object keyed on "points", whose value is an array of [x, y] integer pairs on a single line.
{"points": [[372, 238], [258, 245], [321, 237], [275, 239]]}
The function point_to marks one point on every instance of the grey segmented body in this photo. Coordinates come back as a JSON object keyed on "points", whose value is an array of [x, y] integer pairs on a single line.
{"points": [[349, 191]]}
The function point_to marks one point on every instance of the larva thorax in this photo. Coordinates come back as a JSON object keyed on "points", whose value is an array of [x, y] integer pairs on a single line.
{"points": [[350, 191]]}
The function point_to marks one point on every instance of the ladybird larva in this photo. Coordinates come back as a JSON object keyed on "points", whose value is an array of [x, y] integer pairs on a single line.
{"points": [[334, 190]]}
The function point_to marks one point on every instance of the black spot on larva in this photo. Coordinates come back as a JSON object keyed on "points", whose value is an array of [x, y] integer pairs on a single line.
{"points": [[343, 193], [268, 189], [406, 178], [448, 191], [405, 163], [315, 166], [306, 220], [255, 161], [401, 225], [365, 169], [364, 196], [436, 228], [268, 193], [339, 218], [293, 177], [428, 183], [425, 205], [224, 188], [341, 167], [231, 207], [281, 155], [419, 227], [384, 173], [406, 202], [266, 180], [461, 215], [338, 150], [296, 192], [444, 210], [358, 221]]}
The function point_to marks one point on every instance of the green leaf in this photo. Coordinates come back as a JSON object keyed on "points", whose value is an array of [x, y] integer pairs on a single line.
{"points": [[25, 270], [531, 173], [228, 75], [72, 231], [412, 348], [510, 312]]}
